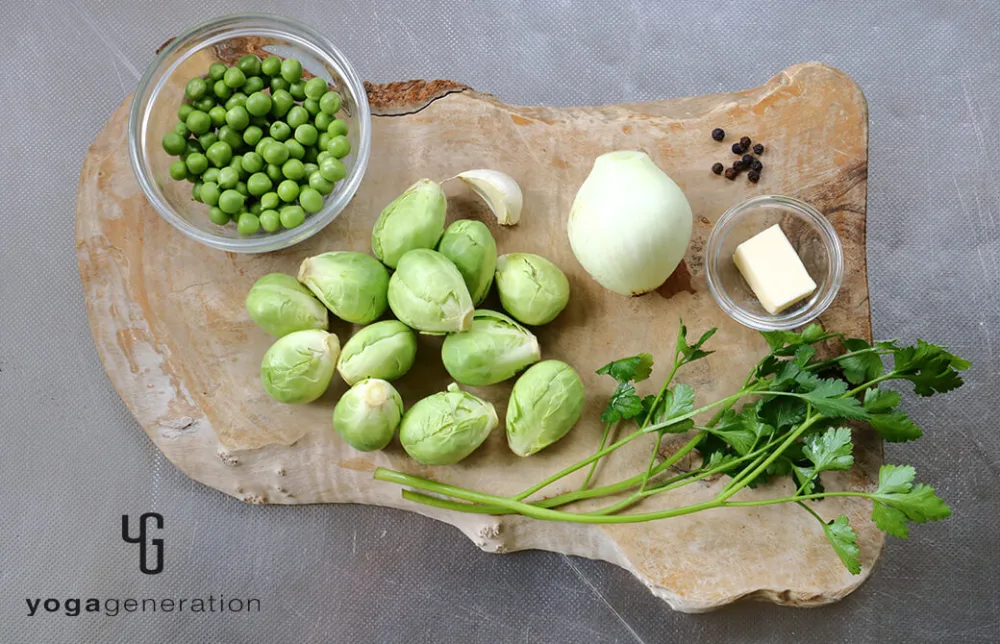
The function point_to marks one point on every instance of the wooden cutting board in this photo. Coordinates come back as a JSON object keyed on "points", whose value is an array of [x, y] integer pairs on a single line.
{"points": [[168, 319]]}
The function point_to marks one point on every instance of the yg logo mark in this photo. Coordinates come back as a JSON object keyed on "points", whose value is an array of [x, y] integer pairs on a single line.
{"points": [[142, 541]]}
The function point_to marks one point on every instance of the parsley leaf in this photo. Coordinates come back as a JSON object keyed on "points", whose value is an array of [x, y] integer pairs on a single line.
{"points": [[930, 367], [880, 400], [624, 404], [694, 351], [845, 543], [741, 431], [895, 427], [862, 367], [783, 412], [785, 343], [675, 402], [825, 399], [803, 354], [635, 369], [897, 500], [830, 450], [718, 459]]}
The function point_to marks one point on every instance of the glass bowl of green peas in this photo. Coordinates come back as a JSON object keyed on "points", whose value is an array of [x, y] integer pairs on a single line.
{"points": [[249, 133]]}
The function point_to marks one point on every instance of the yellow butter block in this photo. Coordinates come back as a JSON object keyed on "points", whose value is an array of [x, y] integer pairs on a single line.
{"points": [[773, 270]]}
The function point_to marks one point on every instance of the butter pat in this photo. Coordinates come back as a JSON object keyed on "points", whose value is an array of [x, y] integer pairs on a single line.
{"points": [[773, 270]]}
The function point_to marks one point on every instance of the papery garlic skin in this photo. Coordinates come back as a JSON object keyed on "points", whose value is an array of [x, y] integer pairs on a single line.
{"points": [[500, 192], [630, 224]]}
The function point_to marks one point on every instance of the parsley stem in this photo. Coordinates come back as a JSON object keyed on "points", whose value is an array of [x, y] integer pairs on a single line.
{"points": [[593, 466], [857, 390], [788, 499], [811, 511]]}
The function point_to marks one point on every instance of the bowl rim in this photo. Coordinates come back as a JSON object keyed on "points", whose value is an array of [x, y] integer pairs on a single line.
{"points": [[777, 322], [299, 34]]}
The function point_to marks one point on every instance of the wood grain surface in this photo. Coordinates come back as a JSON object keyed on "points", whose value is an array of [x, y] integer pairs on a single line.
{"points": [[169, 323]]}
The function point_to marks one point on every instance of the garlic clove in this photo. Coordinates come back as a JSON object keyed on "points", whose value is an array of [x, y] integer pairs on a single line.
{"points": [[500, 192]]}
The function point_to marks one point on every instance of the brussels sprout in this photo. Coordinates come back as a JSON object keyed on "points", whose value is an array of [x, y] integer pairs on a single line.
{"points": [[428, 294], [544, 405], [494, 349], [383, 350], [278, 304], [471, 247], [532, 289], [444, 428], [367, 415], [352, 285], [299, 366], [415, 219]]}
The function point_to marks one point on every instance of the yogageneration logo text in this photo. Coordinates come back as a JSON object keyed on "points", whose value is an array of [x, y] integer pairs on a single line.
{"points": [[145, 542]]}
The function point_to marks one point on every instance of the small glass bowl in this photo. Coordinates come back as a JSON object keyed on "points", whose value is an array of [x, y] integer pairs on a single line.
{"points": [[812, 237], [161, 91]]}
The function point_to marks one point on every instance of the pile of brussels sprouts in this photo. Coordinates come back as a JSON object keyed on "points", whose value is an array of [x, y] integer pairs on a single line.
{"points": [[439, 278]]}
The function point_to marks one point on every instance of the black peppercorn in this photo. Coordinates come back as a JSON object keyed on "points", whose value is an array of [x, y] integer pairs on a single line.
{"points": [[731, 174], [745, 142], [753, 176], [718, 134], [758, 148], [717, 168], [747, 160], [756, 165], [738, 148], [738, 165]]}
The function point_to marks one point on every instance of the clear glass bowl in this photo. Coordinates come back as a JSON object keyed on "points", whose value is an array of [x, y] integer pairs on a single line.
{"points": [[812, 237], [161, 91]]}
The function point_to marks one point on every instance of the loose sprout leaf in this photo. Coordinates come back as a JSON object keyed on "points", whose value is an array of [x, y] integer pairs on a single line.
{"points": [[693, 352], [634, 369], [803, 354], [895, 427], [845, 543], [830, 450], [880, 400], [862, 367], [898, 500]]}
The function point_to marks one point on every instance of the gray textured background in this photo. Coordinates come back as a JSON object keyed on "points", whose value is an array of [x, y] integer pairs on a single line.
{"points": [[72, 460]]}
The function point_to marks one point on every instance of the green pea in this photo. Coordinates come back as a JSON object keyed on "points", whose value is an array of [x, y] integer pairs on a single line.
{"points": [[323, 156], [228, 178], [275, 153], [323, 121], [310, 168], [338, 127], [196, 191], [323, 140], [211, 175], [210, 193], [292, 216], [217, 216], [263, 143], [279, 84], [296, 116], [190, 147], [234, 77], [195, 88], [252, 162], [237, 99], [311, 200], [270, 200], [182, 129], [271, 66], [204, 103], [173, 143], [339, 146], [219, 153], [281, 102], [198, 122], [332, 170], [306, 134], [330, 103], [311, 154], [260, 121], [254, 84], [216, 71], [298, 90], [269, 220], [230, 136], [248, 223], [249, 65], [237, 164], [274, 172], [218, 116], [237, 118], [280, 131], [222, 90], [207, 139], [184, 110], [255, 208], [293, 169], [316, 87], [252, 135], [241, 187], [295, 149], [258, 104], [178, 170], [319, 184], [311, 105], [291, 69], [193, 178], [288, 190], [258, 184], [196, 163]]}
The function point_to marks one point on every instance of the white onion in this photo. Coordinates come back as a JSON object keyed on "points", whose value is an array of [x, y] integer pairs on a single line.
{"points": [[630, 224]]}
